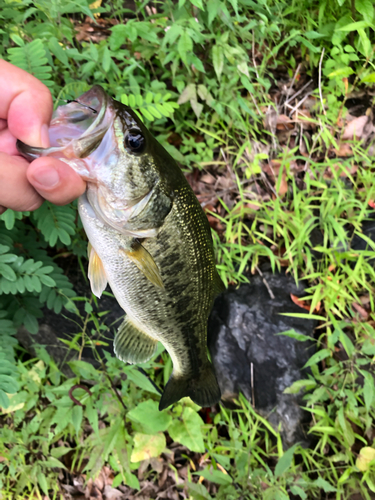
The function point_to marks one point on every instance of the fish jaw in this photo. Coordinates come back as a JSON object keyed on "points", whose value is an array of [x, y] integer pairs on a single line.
{"points": [[76, 130]]}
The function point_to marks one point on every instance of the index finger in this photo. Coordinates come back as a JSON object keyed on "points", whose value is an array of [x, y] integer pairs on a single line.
{"points": [[26, 104]]}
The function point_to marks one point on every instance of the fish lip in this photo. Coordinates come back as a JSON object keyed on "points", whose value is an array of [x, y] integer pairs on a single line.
{"points": [[94, 99], [30, 153]]}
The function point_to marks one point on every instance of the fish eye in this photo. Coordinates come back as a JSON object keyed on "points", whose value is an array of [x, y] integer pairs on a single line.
{"points": [[135, 141]]}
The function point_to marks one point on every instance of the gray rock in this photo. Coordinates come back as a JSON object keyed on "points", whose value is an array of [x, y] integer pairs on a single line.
{"points": [[242, 339]]}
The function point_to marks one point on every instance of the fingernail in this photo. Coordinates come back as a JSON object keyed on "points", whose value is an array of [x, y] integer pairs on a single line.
{"points": [[44, 136], [47, 177]]}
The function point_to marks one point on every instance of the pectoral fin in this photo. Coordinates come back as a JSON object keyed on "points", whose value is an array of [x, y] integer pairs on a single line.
{"points": [[145, 263], [96, 273], [131, 345]]}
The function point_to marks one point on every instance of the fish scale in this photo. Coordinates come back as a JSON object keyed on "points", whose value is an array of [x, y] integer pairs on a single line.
{"points": [[149, 239]]}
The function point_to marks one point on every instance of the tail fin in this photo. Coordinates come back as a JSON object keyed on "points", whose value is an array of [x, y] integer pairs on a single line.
{"points": [[203, 390]]}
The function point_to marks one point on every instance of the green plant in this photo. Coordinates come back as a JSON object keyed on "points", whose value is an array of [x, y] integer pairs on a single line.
{"points": [[210, 79]]}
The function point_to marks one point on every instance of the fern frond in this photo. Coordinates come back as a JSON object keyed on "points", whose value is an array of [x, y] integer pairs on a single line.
{"points": [[56, 222], [71, 91], [32, 58], [152, 106], [10, 216]]}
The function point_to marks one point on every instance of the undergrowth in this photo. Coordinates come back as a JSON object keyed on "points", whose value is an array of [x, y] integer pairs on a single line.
{"points": [[256, 96]]}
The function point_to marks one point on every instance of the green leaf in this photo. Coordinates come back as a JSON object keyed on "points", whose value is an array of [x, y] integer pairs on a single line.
{"points": [[77, 415], [285, 461], [274, 493], [155, 112], [118, 36], [368, 78], [42, 480], [304, 316], [17, 39], [106, 60], [185, 45], [84, 369], [197, 491], [9, 217], [218, 60], [52, 462], [4, 400], [325, 485], [58, 51], [7, 272], [215, 476], [294, 335], [198, 3], [300, 384], [188, 430], [347, 344], [354, 26], [317, 357], [368, 389], [132, 101], [366, 43], [149, 416], [140, 380], [297, 490], [147, 114], [366, 8], [60, 451], [147, 446], [47, 280]]}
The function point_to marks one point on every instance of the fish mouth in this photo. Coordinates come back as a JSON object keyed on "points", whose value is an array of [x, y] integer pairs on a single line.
{"points": [[76, 129]]}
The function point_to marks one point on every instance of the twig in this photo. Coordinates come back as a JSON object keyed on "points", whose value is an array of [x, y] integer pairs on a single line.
{"points": [[253, 54], [252, 385], [115, 391], [255, 104], [265, 282], [291, 85], [298, 105], [299, 92], [104, 368], [320, 80]]}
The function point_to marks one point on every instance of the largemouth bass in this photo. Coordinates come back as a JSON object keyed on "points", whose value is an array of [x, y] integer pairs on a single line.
{"points": [[148, 238]]}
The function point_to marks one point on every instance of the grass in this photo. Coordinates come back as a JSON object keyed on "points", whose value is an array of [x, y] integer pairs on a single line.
{"points": [[254, 99]]}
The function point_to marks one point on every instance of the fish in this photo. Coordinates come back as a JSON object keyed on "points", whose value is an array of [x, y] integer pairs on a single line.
{"points": [[149, 238]]}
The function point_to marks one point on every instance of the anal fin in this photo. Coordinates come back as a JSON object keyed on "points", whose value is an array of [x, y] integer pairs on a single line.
{"points": [[131, 345], [145, 263], [96, 273]]}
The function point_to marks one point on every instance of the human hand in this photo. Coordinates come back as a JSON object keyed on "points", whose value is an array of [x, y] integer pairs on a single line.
{"points": [[25, 113]]}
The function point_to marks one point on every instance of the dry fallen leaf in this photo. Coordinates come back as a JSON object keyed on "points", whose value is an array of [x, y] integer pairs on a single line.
{"points": [[112, 493], [354, 129], [208, 179], [345, 149], [361, 310], [284, 123], [299, 302]]}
